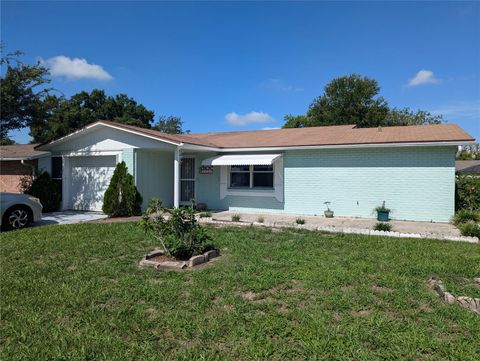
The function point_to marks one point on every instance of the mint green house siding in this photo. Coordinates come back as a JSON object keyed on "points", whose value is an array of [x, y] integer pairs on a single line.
{"points": [[154, 176], [417, 183], [128, 156], [153, 173]]}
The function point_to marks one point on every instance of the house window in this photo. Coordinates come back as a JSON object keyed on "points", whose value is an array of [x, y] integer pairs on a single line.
{"points": [[251, 176], [240, 176], [262, 176]]}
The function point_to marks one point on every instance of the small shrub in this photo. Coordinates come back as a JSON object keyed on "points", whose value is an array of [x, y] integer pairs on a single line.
{"points": [[236, 218], [300, 221], [467, 192], [181, 236], [205, 214], [465, 215], [122, 198], [382, 226], [44, 188], [260, 219], [470, 229]]}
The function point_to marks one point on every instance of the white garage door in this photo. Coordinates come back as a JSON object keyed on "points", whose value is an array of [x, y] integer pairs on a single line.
{"points": [[90, 177]]}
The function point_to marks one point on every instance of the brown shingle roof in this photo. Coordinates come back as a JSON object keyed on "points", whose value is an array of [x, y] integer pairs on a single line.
{"points": [[21, 151], [316, 136]]}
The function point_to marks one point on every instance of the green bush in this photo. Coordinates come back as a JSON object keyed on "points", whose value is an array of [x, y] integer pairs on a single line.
{"points": [[180, 235], [236, 218], [300, 221], [467, 192], [465, 215], [260, 219], [470, 229], [122, 198], [44, 188], [382, 226]]}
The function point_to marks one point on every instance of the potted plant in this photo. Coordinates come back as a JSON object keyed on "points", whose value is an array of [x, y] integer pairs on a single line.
{"points": [[383, 213], [328, 213]]}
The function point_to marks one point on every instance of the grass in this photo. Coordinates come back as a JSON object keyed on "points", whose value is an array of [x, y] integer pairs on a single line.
{"points": [[75, 292]]}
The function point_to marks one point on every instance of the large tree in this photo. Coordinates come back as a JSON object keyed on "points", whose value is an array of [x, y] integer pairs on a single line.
{"points": [[23, 92], [63, 116], [171, 125], [354, 99]]}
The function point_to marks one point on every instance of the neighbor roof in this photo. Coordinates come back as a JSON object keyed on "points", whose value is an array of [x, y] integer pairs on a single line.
{"points": [[468, 166], [21, 152], [315, 136]]}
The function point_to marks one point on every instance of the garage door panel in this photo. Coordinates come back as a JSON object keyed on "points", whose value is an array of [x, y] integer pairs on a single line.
{"points": [[90, 177]]}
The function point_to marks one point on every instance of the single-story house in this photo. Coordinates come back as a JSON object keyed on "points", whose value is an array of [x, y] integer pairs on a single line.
{"points": [[18, 161], [471, 167], [293, 171]]}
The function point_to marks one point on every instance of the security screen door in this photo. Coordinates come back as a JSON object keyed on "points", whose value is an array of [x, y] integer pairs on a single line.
{"points": [[187, 180]]}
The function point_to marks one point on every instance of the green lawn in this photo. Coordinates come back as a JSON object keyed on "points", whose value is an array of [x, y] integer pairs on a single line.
{"points": [[75, 292]]}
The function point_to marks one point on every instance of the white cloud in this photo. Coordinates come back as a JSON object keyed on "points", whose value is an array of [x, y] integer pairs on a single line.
{"points": [[423, 77], [248, 118], [278, 84], [75, 68], [270, 128]]}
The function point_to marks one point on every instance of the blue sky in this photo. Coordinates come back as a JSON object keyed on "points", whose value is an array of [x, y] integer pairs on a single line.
{"points": [[237, 66]]}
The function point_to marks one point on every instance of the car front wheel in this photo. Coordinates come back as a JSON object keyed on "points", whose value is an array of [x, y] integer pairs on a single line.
{"points": [[16, 218]]}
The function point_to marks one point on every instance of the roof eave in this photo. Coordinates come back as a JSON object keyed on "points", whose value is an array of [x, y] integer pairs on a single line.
{"points": [[329, 146], [47, 146]]}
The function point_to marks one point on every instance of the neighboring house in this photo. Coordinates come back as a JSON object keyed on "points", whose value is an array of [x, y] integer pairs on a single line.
{"points": [[295, 171], [18, 161], [468, 167]]}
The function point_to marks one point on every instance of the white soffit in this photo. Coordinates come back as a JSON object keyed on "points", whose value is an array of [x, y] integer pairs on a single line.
{"points": [[242, 159]]}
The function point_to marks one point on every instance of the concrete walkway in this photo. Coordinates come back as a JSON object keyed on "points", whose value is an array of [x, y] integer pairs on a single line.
{"points": [[436, 230]]}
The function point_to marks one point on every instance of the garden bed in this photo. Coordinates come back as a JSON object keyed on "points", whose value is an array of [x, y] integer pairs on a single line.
{"points": [[159, 260]]}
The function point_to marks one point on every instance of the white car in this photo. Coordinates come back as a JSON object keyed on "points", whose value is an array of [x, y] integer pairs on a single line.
{"points": [[18, 210]]}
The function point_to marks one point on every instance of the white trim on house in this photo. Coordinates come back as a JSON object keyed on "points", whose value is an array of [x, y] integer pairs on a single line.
{"points": [[276, 192], [242, 159], [90, 126], [176, 177]]}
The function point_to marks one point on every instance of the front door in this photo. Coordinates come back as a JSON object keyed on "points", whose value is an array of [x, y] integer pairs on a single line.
{"points": [[187, 180]]}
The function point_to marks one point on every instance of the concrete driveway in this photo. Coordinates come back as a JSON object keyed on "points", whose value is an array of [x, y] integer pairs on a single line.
{"points": [[69, 217]]}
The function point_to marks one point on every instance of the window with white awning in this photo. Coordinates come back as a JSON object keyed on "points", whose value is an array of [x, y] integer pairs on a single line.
{"points": [[249, 174]]}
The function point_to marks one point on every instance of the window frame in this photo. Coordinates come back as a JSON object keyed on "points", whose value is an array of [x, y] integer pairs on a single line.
{"points": [[251, 171]]}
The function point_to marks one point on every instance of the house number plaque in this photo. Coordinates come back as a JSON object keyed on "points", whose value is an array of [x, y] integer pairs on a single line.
{"points": [[206, 169]]}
